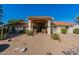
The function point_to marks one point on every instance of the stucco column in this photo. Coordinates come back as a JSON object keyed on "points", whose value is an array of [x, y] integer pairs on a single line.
{"points": [[29, 25], [49, 27], [58, 29]]}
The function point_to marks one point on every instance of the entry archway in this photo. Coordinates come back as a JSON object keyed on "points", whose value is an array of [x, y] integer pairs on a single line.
{"points": [[40, 24]]}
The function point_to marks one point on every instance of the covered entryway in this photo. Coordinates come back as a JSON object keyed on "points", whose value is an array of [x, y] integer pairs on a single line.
{"points": [[40, 24]]}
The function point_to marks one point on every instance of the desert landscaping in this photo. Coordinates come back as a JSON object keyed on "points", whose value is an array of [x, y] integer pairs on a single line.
{"points": [[41, 44], [30, 30]]}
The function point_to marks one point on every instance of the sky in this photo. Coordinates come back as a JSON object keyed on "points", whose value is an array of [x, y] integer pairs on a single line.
{"points": [[60, 12]]}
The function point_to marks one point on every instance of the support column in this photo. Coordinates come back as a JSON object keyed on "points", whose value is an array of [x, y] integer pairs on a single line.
{"points": [[29, 25], [49, 27]]}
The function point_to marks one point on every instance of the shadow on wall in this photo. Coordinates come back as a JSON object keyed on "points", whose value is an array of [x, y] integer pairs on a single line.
{"points": [[3, 47]]}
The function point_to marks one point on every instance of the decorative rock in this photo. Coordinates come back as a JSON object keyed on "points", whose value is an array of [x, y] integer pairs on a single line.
{"points": [[22, 50], [49, 53], [16, 49], [9, 40]]}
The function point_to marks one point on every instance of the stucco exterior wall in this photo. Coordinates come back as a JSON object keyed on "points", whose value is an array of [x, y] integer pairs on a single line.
{"points": [[57, 29], [76, 26], [49, 27], [69, 29], [72, 27], [54, 29]]}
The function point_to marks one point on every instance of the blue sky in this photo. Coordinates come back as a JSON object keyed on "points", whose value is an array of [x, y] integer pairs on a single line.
{"points": [[61, 12]]}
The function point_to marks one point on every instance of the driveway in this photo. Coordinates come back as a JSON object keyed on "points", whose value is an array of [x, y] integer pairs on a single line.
{"points": [[41, 44]]}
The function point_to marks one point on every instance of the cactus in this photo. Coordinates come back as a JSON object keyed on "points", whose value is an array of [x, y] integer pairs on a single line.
{"points": [[5, 33]]}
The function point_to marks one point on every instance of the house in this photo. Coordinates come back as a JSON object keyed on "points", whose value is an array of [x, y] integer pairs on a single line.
{"points": [[58, 25], [45, 24]]}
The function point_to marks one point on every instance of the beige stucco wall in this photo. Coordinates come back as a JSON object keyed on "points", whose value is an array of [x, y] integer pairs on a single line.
{"points": [[69, 30], [72, 27], [76, 26], [29, 25], [49, 27], [58, 29], [55, 30]]}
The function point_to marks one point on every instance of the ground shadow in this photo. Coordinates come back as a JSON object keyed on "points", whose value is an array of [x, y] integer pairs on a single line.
{"points": [[10, 36], [69, 52], [13, 32], [3, 47], [49, 53]]}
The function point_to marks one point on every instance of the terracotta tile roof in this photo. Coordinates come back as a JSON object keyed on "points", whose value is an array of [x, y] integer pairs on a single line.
{"points": [[63, 23], [58, 24], [26, 24]]}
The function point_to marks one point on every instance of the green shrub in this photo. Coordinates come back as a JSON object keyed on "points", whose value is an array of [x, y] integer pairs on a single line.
{"points": [[63, 30], [55, 37], [29, 32], [76, 30]]}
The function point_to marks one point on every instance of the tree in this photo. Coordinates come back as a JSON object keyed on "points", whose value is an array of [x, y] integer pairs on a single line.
{"points": [[16, 23], [77, 20], [1, 12], [13, 21], [4, 30], [1, 29]]}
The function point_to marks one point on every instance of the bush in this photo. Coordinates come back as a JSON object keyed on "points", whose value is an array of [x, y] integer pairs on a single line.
{"points": [[63, 30], [29, 32], [55, 37], [76, 30]]}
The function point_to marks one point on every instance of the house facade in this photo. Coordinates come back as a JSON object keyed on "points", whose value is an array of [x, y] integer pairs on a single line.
{"points": [[45, 24]]}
